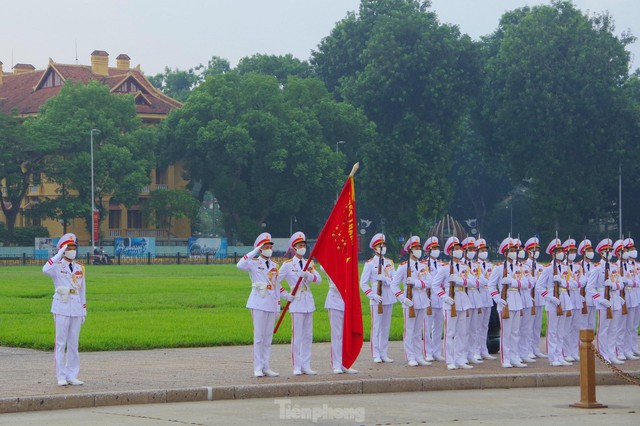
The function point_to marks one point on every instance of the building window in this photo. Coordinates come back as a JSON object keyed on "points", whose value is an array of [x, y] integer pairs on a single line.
{"points": [[134, 219], [162, 176], [114, 219], [128, 87], [53, 79]]}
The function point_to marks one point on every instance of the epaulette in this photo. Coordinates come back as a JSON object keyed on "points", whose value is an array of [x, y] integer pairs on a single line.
{"points": [[287, 261], [369, 260], [403, 263]]}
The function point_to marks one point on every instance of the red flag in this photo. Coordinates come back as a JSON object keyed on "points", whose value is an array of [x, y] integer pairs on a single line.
{"points": [[337, 251]]}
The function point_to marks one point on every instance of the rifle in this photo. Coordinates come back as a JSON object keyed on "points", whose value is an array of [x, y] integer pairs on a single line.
{"points": [[452, 293], [466, 289], [607, 289], [556, 287], [379, 291], [624, 307], [478, 272], [503, 295], [534, 269], [583, 293], [429, 311], [412, 311]]}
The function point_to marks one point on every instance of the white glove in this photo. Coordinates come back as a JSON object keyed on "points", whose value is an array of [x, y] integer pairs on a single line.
{"points": [[64, 293], [573, 284], [604, 302], [583, 299], [381, 277], [290, 297], [608, 283], [483, 281], [456, 279], [84, 318], [557, 279], [307, 275], [508, 281], [411, 280], [501, 303], [407, 302], [554, 301], [448, 300], [621, 299], [375, 298], [253, 253]]}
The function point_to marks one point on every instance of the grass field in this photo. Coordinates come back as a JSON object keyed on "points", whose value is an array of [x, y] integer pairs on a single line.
{"points": [[144, 307]]}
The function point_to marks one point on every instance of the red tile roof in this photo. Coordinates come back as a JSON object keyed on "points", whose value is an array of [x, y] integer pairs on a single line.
{"points": [[20, 92]]}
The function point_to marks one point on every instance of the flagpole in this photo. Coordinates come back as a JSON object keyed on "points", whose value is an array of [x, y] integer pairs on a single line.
{"points": [[354, 169]]}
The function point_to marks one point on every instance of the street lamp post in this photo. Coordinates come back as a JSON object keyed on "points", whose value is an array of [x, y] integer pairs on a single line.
{"points": [[291, 220], [93, 199], [337, 150]]}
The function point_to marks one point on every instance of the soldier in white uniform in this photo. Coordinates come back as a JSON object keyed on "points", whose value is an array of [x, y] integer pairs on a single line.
{"points": [[302, 306], [578, 320], [380, 322], [264, 301], [434, 321], [414, 275], [511, 281], [618, 251], [69, 308], [532, 247], [605, 275], [335, 305], [454, 278], [474, 338], [486, 267], [555, 273], [634, 290], [585, 249], [527, 284]]}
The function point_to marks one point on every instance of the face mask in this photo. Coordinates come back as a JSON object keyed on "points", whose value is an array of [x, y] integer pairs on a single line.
{"points": [[435, 253], [267, 253], [536, 254], [560, 256], [607, 256], [483, 255], [471, 255], [522, 254], [589, 255], [417, 253], [512, 255], [382, 250], [572, 257], [457, 254], [70, 254], [301, 251], [633, 254], [625, 255]]}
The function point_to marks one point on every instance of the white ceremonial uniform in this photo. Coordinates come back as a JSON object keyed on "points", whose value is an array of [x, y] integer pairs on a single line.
{"points": [[264, 302], [538, 302], [475, 337], [434, 323], [456, 333], [335, 305], [526, 321], [630, 321], [509, 327], [556, 324], [301, 310], [69, 308], [380, 323], [608, 328], [413, 327], [578, 320], [587, 267], [487, 304], [634, 289]]}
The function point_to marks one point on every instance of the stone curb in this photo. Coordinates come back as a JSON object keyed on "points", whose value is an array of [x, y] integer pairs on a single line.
{"points": [[285, 390]]}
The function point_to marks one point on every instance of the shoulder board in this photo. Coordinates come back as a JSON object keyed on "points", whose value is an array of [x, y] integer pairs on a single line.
{"points": [[370, 260], [403, 263], [287, 261]]}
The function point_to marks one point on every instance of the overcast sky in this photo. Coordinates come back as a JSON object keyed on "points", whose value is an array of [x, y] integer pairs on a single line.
{"points": [[184, 33]]}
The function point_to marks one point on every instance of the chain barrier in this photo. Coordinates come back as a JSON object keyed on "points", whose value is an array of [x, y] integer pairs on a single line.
{"points": [[634, 380]]}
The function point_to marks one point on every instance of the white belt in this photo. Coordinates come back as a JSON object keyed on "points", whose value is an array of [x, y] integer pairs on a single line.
{"points": [[262, 288]]}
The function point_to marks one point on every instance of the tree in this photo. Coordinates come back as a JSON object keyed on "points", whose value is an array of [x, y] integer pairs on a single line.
{"points": [[123, 150], [555, 111], [164, 205], [415, 79], [280, 67], [260, 148], [22, 156], [179, 83]]}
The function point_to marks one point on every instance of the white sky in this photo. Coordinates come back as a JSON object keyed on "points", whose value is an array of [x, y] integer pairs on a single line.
{"points": [[182, 34]]}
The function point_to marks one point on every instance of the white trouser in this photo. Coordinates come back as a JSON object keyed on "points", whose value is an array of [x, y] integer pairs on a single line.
{"points": [[263, 325], [526, 325], [578, 322], [607, 331], [412, 335], [380, 326], [67, 336], [484, 319], [536, 330], [633, 338], [433, 333], [336, 322], [509, 337], [475, 336], [620, 322], [456, 334], [301, 339], [555, 334], [591, 317]]}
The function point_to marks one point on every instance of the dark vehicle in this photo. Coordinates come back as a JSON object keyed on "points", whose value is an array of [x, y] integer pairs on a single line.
{"points": [[493, 336], [99, 257]]}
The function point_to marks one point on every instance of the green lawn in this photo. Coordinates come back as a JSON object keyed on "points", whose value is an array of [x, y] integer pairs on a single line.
{"points": [[143, 307]]}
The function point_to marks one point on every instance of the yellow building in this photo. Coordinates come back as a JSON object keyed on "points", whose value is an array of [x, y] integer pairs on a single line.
{"points": [[26, 89]]}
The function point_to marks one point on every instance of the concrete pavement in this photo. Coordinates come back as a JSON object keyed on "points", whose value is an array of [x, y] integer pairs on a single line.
{"points": [[27, 381]]}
